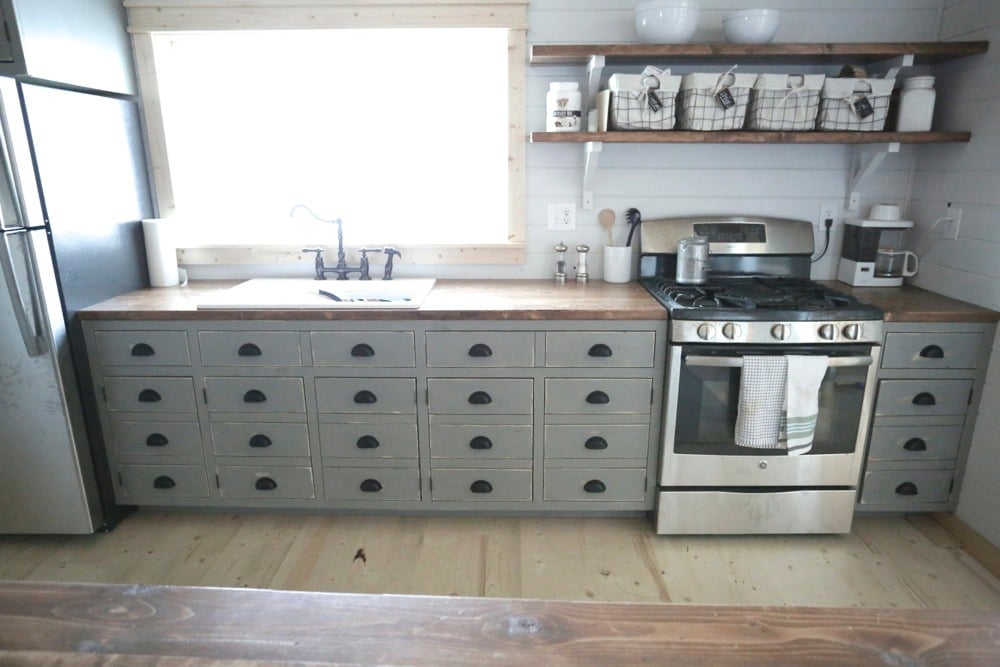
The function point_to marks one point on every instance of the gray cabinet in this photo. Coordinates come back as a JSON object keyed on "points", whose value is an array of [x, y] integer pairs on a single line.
{"points": [[929, 383]]}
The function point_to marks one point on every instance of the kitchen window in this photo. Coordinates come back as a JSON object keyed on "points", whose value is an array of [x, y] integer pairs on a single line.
{"points": [[406, 121]]}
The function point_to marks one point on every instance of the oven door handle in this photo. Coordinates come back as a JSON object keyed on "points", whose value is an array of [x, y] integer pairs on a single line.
{"points": [[737, 362]]}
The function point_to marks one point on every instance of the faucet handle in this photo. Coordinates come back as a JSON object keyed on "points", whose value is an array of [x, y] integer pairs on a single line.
{"points": [[318, 251], [389, 253]]}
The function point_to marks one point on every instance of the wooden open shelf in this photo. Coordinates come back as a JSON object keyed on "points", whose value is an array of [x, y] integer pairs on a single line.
{"points": [[750, 137]]}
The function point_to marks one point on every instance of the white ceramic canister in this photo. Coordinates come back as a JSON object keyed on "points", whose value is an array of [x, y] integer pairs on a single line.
{"points": [[916, 104], [563, 107]]}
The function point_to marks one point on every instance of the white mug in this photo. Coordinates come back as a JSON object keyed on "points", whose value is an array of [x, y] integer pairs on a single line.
{"points": [[617, 264], [891, 263]]}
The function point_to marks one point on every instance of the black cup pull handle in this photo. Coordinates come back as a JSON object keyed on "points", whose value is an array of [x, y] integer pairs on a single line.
{"points": [[362, 350], [480, 398], [480, 442], [915, 445], [598, 398], [143, 350], [254, 396], [907, 489], [481, 486], [924, 398], [595, 486], [149, 396], [156, 440], [365, 397], [368, 442], [164, 482], [599, 350], [260, 441], [249, 350], [932, 352], [371, 486], [480, 350], [596, 442], [265, 484]]}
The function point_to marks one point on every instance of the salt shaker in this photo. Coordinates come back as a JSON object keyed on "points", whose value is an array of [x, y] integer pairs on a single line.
{"points": [[582, 275], [561, 262]]}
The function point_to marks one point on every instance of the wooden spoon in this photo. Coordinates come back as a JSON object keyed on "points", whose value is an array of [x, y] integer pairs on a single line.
{"points": [[607, 219]]}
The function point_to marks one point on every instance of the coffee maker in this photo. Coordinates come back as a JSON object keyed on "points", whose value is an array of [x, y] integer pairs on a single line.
{"points": [[864, 241]]}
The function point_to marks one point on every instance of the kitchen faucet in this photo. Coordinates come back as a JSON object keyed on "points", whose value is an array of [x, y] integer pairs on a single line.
{"points": [[342, 269]]}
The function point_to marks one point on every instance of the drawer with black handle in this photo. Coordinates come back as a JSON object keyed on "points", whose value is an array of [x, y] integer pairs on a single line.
{"points": [[600, 441], [596, 349], [367, 395], [906, 486], [365, 349], [157, 438], [371, 484], [481, 485], [149, 394], [482, 396], [914, 443], [142, 348], [163, 481], [260, 439], [931, 350], [480, 349], [598, 396], [369, 440], [291, 482], [596, 484], [252, 348], [255, 394], [912, 398]]}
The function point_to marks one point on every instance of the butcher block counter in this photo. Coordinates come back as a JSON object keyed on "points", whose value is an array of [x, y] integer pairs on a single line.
{"points": [[912, 304], [87, 624]]}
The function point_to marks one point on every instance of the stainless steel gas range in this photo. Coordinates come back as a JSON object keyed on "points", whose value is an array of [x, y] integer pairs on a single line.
{"points": [[778, 447]]}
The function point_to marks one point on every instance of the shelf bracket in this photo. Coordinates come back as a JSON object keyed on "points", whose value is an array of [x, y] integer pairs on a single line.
{"points": [[864, 167], [898, 63], [595, 68], [592, 151]]}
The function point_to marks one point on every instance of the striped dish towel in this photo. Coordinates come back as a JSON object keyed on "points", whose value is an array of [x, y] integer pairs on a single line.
{"points": [[762, 401], [805, 375]]}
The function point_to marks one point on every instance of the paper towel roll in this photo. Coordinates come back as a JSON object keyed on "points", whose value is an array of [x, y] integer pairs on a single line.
{"points": [[161, 253]]}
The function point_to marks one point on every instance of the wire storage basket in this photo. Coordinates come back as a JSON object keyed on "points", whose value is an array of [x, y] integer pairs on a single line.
{"points": [[854, 104], [784, 102], [711, 101], [644, 101]]}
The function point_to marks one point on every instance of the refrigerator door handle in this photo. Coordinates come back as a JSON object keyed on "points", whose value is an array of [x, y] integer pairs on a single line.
{"points": [[29, 323], [11, 177]]}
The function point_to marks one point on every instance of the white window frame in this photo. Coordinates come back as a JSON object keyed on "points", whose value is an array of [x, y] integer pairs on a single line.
{"points": [[146, 17]]}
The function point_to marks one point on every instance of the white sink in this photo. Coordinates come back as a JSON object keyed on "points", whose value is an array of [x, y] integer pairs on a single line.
{"points": [[279, 293]]}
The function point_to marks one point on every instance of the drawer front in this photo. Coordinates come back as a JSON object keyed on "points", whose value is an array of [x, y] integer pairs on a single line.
{"points": [[481, 485], [156, 438], [255, 394], [372, 483], [263, 439], [746, 513], [142, 348], [251, 348], [597, 349], [367, 349], [931, 350], [492, 441], [479, 349], [598, 396], [914, 443], [923, 397], [367, 395], [480, 396], [152, 394], [369, 441], [167, 481], [607, 484], [906, 486], [603, 441], [266, 482]]}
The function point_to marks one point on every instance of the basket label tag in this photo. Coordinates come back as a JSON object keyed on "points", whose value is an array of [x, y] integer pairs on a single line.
{"points": [[725, 99], [653, 100], [863, 108]]}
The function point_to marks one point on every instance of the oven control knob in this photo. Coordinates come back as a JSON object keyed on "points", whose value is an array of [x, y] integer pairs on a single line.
{"points": [[706, 331], [828, 332], [781, 331], [852, 332], [731, 330]]}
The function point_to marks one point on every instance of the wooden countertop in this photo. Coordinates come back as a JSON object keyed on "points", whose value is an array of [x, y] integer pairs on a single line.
{"points": [[95, 624], [912, 304]]}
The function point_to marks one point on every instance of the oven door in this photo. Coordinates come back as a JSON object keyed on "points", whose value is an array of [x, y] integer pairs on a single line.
{"points": [[703, 388]]}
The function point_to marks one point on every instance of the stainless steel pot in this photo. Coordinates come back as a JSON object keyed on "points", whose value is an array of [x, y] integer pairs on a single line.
{"points": [[692, 260]]}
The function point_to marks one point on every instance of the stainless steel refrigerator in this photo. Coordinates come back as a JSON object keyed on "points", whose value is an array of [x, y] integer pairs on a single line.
{"points": [[73, 192]]}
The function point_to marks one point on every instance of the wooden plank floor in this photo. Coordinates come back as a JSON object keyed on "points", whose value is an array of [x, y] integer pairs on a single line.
{"points": [[883, 563]]}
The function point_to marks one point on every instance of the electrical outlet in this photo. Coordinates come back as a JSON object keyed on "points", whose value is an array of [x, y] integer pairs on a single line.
{"points": [[562, 217], [828, 211], [951, 223]]}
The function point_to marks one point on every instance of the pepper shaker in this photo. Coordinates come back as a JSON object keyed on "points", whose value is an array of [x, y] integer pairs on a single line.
{"points": [[582, 275], [561, 263]]}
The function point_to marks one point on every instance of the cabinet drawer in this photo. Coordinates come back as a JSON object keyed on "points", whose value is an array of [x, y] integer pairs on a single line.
{"points": [[598, 396], [489, 441], [263, 439], [910, 443], [906, 486], [481, 396], [168, 481], [370, 441], [923, 397], [371, 349], [252, 348], [931, 350], [477, 349], [485, 485], [608, 484], [155, 438], [255, 394], [596, 349], [150, 394], [372, 483], [597, 442], [266, 482], [142, 348], [367, 395]]}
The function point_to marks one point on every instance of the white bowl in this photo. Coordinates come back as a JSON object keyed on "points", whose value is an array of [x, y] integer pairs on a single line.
{"points": [[667, 21], [752, 26]]}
